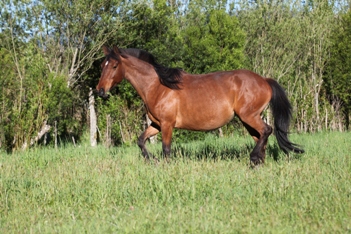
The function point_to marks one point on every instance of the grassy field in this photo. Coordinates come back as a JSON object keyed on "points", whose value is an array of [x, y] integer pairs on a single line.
{"points": [[208, 187]]}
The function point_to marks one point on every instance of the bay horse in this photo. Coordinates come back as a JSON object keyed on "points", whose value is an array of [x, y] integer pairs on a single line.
{"points": [[176, 99]]}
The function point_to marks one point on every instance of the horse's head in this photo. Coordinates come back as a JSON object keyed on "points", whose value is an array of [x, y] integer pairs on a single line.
{"points": [[112, 71]]}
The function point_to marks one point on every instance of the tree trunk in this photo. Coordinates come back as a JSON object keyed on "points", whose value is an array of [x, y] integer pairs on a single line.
{"points": [[93, 122], [108, 140], [44, 129]]}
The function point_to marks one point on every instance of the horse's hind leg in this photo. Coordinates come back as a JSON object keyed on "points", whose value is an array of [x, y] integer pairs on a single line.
{"points": [[152, 130], [260, 132]]}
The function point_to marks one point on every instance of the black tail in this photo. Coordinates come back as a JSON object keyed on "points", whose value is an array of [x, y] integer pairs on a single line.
{"points": [[281, 109]]}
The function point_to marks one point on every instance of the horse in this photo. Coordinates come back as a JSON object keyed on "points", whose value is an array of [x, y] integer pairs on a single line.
{"points": [[176, 99]]}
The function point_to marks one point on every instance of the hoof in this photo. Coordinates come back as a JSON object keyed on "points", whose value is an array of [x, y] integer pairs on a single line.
{"points": [[256, 160]]}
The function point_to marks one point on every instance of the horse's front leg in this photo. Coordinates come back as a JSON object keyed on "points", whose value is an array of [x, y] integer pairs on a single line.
{"points": [[166, 130], [152, 130]]}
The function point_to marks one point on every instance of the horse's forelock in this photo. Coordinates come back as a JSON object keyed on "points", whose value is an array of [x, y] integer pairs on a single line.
{"points": [[112, 55]]}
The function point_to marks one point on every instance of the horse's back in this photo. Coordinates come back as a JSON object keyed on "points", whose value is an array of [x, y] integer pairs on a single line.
{"points": [[228, 86]]}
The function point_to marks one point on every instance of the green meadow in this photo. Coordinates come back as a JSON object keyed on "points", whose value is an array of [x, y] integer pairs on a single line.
{"points": [[207, 187]]}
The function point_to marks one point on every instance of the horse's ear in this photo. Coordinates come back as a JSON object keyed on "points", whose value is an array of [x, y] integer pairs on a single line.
{"points": [[119, 53], [106, 50], [116, 50]]}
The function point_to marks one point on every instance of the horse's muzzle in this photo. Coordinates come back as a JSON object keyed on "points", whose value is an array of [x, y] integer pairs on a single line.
{"points": [[102, 93]]}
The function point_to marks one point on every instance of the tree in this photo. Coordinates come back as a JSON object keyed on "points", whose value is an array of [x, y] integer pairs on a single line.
{"points": [[289, 41], [338, 75], [317, 24], [6, 82], [213, 41], [272, 33], [52, 45]]}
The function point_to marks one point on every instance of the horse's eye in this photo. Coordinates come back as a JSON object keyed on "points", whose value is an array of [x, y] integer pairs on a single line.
{"points": [[115, 66]]}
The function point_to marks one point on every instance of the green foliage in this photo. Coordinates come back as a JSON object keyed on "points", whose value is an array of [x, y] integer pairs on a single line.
{"points": [[59, 105], [290, 41], [207, 188], [7, 71], [31, 97], [22, 98], [153, 26], [213, 41], [273, 30], [120, 117], [338, 76]]}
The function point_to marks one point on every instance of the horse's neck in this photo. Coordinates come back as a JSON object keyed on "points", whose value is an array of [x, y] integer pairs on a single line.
{"points": [[142, 76]]}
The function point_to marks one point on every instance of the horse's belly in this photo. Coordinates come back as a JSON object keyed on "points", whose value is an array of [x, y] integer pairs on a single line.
{"points": [[203, 119]]}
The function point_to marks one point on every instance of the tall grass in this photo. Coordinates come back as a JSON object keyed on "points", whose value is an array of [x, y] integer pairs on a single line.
{"points": [[208, 187]]}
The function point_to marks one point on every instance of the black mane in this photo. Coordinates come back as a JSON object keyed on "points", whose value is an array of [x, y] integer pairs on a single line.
{"points": [[170, 77]]}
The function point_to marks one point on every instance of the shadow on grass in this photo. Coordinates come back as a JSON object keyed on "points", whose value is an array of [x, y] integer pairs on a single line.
{"points": [[231, 151], [277, 154], [214, 152], [274, 151]]}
